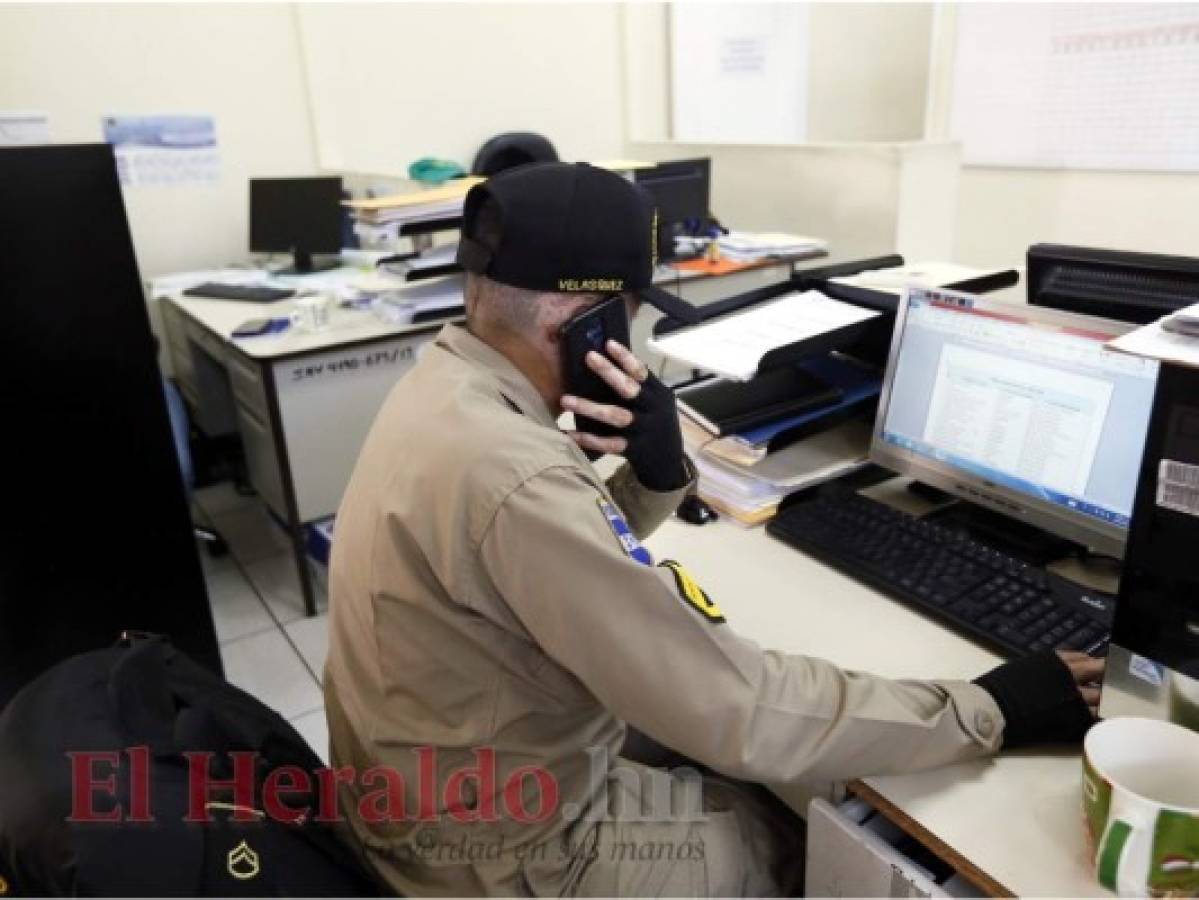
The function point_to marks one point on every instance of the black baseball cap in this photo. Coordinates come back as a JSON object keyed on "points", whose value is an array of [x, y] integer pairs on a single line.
{"points": [[564, 228]]}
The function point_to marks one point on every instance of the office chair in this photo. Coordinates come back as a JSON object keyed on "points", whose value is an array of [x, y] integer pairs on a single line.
{"points": [[511, 149]]}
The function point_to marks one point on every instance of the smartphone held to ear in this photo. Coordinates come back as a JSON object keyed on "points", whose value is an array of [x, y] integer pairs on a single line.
{"points": [[590, 330]]}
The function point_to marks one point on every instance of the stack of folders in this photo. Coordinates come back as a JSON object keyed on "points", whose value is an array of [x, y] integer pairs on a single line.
{"points": [[747, 247], [439, 260], [378, 218], [399, 303], [744, 246], [755, 442]]}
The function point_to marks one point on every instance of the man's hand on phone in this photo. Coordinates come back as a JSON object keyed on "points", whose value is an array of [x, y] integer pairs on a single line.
{"points": [[652, 441]]}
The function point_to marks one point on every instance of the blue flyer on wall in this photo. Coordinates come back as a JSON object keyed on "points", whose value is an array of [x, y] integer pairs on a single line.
{"points": [[163, 149]]}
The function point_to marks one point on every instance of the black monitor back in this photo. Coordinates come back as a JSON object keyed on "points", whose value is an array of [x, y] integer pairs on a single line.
{"points": [[1116, 284], [290, 214], [681, 191], [95, 533]]}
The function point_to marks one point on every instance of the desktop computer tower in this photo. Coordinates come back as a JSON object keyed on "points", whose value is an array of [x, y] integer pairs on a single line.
{"points": [[1153, 662]]}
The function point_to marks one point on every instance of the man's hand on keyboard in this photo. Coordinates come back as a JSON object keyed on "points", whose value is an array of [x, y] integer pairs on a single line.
{"points": [[1045, 698], [1087, 672]]}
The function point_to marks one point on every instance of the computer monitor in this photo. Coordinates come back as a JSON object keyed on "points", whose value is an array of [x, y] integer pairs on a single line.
{"points": [[301, 216], [93, 476], [1018, 409], [680, 190]]}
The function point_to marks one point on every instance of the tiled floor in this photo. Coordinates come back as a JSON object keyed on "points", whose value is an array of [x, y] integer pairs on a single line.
{"points": [[268, 646]]}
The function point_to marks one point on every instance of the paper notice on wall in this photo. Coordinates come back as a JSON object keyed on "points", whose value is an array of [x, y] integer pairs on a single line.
{"points": [[20, 129], [744, 54], [164, 149], [1077, 85], [739, 72]]}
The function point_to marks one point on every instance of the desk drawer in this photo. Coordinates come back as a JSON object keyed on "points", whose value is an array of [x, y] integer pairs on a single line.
{"points": [[246, 376], [262, 459], [206, 341], [181, 363], [173, 323]]}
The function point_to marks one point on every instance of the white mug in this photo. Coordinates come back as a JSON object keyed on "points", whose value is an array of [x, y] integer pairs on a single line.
{"points": [[1140, 794], [311, 312]]}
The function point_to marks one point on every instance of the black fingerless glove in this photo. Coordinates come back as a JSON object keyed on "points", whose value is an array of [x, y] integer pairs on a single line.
{"points": [[655, 449], [1039, 700]]}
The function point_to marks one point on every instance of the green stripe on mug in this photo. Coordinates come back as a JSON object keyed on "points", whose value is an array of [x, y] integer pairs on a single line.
{"points": [[1110, 850]]}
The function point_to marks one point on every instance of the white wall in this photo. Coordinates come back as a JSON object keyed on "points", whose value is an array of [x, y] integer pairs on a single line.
{"points": [[395, 82], [867, 71], [239, 63], [1001, 211]]}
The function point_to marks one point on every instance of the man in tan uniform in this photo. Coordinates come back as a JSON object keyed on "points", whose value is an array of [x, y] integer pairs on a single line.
{"points": [[495, 622]]}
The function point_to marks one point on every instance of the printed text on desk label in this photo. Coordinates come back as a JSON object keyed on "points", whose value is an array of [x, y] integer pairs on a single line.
{"points": [[347, 364]]}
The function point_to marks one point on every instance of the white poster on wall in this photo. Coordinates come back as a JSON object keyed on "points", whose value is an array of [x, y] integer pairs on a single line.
{"points": [[19, 129], [739, 72], [163, 150], [1078, 85]]}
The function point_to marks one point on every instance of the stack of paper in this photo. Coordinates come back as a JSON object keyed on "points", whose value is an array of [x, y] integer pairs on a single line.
{"points": [[747, 500], [923, 274], [746, 474], [389, 214], [396, 301], [437, 260], [744, 246], [1169, 339], [750, 494], [734, 346]]}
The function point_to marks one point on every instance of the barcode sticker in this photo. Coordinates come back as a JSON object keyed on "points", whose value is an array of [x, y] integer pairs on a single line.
{"points": [[1178, 487]]}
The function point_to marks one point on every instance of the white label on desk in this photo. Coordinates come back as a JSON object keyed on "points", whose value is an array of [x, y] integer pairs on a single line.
{"points": [[1178, 487], [327, 403], [304, 370]]}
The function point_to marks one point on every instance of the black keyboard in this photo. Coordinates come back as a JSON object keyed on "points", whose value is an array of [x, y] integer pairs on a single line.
{"points": [[252, 293], [1016, 608]]}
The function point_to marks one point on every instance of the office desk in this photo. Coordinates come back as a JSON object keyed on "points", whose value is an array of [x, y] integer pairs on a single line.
{"points": [[1012, 824], [303, 403]]}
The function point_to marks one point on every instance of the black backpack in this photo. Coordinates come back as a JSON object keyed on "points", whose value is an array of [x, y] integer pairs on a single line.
{"points": [[146, 694]]}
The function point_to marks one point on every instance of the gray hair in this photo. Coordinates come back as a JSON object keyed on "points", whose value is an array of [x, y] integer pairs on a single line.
{"points": [[493, 304]]}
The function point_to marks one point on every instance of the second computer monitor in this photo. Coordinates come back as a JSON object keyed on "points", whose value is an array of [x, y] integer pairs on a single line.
{"points": [[680, 190], [1019, 409], [301, 216]]}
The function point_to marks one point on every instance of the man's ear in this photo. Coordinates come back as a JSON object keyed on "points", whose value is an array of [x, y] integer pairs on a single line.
{"points": [[552, 313]]}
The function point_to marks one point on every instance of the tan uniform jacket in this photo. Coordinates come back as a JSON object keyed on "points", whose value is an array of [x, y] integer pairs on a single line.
{"points": [[482, 596]]}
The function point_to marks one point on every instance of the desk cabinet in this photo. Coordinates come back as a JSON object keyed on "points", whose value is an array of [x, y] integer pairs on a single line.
{"points": [[198, 358], [326, 405], [302, 415]]}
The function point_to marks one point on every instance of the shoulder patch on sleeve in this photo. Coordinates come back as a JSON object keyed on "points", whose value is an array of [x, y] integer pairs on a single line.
{"points": [[693, 594], [624, 535]]}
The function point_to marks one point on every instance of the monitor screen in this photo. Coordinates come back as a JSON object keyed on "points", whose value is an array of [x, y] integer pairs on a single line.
{"points": [[295, 214], [1012, 403]]}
